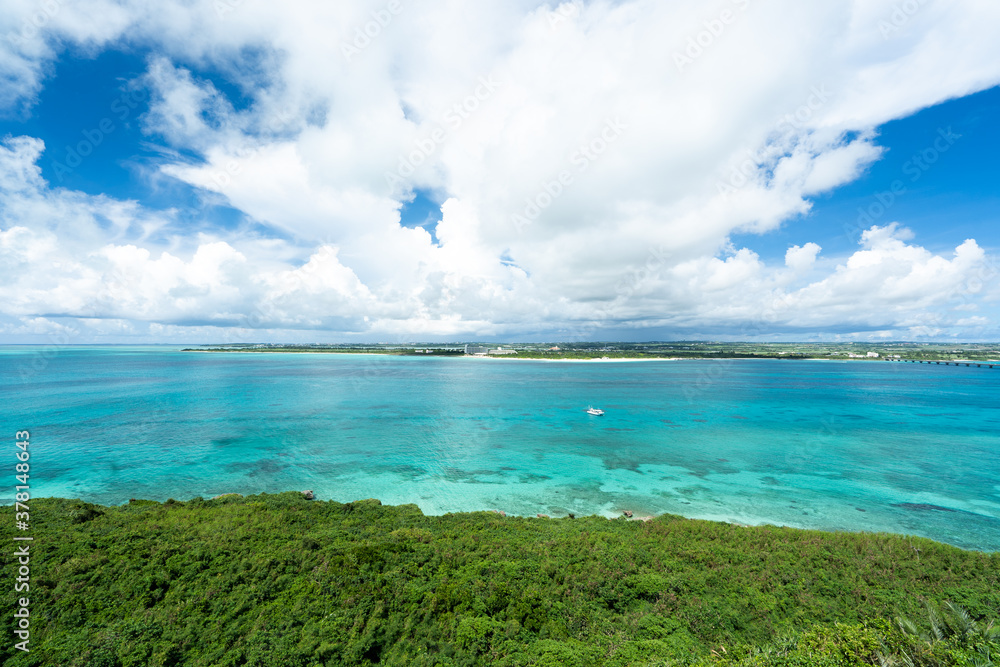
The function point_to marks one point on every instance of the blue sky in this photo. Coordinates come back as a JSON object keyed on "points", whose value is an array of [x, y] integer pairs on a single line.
{"points": [[82, 97], [83, 92], [461, 192], [950, 200]]}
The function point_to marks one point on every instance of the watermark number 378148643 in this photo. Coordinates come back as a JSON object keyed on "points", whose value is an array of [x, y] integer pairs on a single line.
{"points": [[22, 550]]}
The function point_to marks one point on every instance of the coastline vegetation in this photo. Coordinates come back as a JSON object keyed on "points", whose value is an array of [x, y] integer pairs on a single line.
{"points": [[278, 580]]}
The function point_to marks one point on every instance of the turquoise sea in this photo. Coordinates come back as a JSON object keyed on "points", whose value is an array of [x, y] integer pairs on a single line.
{"points": [[870, 446]]}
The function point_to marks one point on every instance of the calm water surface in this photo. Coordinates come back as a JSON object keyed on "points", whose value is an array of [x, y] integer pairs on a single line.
{"points": [[871, 446]]}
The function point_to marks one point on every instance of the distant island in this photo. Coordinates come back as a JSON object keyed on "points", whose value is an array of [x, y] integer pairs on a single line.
{"points": [[892, 351]]}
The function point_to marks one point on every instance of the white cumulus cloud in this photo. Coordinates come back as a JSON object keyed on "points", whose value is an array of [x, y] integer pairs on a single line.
{"points": [[594, 160]]}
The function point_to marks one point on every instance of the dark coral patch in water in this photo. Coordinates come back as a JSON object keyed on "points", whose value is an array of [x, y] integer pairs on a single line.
{"points": [[255, 468], [924, 507]]}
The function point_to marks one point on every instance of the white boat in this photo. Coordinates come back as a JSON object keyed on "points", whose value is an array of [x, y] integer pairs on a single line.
{"points": [[595, 411]]}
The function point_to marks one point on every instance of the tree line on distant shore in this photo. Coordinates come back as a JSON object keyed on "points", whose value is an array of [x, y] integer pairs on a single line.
{"points": [[799, 351]]}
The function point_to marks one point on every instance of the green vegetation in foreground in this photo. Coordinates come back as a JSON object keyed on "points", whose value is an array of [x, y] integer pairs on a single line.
{"points": [[654, 350], [275, 580]]}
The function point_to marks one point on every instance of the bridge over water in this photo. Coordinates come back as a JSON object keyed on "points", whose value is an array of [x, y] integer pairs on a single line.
{"points": [[977, 364]]}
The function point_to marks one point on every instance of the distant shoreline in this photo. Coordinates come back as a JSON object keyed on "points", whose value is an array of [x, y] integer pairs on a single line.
{"points": [[511, 357], [957, 362], [588, 360]]}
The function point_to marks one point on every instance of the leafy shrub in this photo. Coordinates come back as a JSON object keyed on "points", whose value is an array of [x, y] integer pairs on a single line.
{"points": [[279, 580]]}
